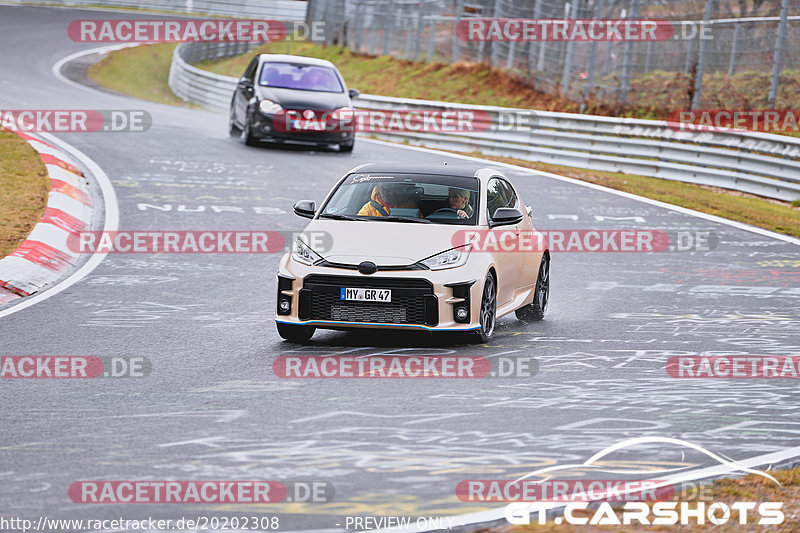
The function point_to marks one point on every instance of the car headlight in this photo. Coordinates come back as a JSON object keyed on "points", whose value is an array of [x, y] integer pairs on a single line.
{"points": [[343, 113], [450, 259], [302, 253], [269, 107]]}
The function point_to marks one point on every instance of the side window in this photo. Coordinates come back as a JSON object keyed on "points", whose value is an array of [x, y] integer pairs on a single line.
{"points": [[496, 192], [511, 196], [250, 72]]}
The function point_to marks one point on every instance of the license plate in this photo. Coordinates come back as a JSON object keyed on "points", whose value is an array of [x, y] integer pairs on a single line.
{"points": [[310, 124], [365, 295]]}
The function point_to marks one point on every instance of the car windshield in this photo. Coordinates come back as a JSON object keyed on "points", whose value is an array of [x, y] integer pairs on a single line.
{"points": [[391, 197], [301, 77]]}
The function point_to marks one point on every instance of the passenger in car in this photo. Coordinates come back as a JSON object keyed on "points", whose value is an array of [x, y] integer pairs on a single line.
{"points": [[459, 200], [385, 196]]}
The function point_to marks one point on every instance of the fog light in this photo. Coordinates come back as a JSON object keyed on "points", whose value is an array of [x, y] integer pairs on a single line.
{"points": [[285, 305], [461, 313]]}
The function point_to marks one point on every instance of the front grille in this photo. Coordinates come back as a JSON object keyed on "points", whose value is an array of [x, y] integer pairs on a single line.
{"points": [[412, 302]]}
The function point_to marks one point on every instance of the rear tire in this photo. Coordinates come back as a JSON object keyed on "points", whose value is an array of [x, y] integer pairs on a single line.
{"points": [[295, 333], [534, 311], [488, 312]]}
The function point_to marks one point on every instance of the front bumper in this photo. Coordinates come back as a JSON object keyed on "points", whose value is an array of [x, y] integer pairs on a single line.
{"points": [[267, 128], [421, 299]]}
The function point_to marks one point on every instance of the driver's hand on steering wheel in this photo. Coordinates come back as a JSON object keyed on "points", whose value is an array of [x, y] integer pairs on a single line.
{"points": [[462, 214]]}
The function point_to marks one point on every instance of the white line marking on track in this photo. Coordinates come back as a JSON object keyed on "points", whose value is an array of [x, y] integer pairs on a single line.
{"points": [[100, 50], [111, 223]]}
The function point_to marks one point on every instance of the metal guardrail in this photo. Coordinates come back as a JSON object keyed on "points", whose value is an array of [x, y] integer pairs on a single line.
{"points": [[758, 163], [283, 10]]}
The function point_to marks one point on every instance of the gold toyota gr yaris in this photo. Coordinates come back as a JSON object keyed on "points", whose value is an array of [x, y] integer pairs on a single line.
{"points": [[431, 248]]}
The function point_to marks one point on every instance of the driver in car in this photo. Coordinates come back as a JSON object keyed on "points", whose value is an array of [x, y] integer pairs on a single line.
{"points": [[385, 196], [459, 201]]}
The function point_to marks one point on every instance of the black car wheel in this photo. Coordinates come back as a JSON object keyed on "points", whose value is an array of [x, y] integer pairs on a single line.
{"points": [[488, 313], [294, 333], [347, 147], [246, 135], [534, 311], [233, 129]]}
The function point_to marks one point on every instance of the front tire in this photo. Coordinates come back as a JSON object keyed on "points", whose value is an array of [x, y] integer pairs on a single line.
{"points": [[534, 311], [347, 147], [488, 312], [233, 129], [295, 333], [247, 135]]}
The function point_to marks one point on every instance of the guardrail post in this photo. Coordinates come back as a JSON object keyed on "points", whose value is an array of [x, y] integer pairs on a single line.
{"points": [[533, 45], [542, 44], [387, 39], [456, 44], [359, 23], [734, 48], [598, 14], [701, 59], [493, 46], [627, 61], [777, 58], [566, 74], [431, 36]]}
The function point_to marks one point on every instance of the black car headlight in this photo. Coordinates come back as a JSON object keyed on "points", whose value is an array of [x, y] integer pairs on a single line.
{"points": [[268, 107]]}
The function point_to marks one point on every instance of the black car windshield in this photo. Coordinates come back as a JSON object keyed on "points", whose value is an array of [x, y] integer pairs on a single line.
{"points": [[301, 77], [392, 197]]}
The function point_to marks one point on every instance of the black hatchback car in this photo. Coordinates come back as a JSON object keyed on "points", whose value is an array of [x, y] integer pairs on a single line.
{"points": [[293, 99]]}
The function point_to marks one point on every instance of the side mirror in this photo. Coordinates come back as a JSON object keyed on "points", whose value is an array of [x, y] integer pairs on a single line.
{"points": [[305, 208], [245, 83], [504, 216], [354, 93]]}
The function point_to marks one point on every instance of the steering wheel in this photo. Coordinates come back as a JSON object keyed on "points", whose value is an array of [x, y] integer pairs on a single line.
{"points": [[452, 213]]}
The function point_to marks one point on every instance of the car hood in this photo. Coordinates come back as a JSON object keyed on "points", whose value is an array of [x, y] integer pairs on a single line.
{"points": [[383, 243], [295, 99]]}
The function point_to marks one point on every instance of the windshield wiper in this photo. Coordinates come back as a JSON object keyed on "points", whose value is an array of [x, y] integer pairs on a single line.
{"points": [[338, 217], [395, 218]]}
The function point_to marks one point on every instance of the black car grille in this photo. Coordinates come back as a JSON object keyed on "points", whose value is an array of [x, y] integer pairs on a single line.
{"points": [[413, 301]]}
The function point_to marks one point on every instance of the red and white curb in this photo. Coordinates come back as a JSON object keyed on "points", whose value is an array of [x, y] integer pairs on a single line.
{"points": [[44, 257]]}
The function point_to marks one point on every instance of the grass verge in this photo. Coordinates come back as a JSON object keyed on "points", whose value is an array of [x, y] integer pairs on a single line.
{"points": [[24, 185], [140, 71], [751, 488]]}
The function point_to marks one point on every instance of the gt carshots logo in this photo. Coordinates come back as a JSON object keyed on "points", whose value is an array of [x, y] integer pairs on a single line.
{"points": [[663, 513], [168, 31]]}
